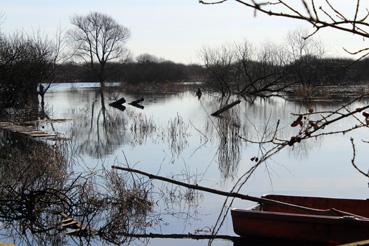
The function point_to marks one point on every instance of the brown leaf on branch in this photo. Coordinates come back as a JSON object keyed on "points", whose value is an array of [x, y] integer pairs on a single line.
{"points": [[297, 122]]}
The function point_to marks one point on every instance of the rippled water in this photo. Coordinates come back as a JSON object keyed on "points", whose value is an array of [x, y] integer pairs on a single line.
{"points": [[175, 136]]}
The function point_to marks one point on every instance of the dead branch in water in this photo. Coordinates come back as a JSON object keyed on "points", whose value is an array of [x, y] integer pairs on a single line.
{"points": [[232, 194], [225, 108]]}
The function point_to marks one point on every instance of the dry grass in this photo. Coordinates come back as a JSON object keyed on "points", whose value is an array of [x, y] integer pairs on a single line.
{"points": [[141, 127], [305, 91], [177, 134]]}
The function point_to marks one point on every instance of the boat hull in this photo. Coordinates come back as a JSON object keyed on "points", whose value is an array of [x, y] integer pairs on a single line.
{"points": [[275, 221]]}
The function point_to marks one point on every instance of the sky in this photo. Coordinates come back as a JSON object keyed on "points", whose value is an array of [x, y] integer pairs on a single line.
{"points": [[171, 29]]}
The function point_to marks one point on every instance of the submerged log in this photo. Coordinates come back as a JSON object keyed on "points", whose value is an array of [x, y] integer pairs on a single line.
{"points": [[137, 101], [225, 108], [120, 107], [198, 93], [120, 101], [136, 104], [118, 104]]}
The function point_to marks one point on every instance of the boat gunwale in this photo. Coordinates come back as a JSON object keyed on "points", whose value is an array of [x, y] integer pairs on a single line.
{"points": [[276, 196], [270, 215]]}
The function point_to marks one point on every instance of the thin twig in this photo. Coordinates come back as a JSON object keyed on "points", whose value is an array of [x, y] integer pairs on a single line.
{"points": [[353, 159]]}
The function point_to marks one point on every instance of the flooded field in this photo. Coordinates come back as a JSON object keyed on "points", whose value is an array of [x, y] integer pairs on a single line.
{"points": [[172, 136]]}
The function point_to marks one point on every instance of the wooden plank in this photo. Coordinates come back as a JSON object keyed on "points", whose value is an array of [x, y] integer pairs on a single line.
{"points": [[67, 220], [358, 243], [42, 135], [76, 231], [25, 130], [64, 215], [31, 132], [32, 122], [71, 223]]}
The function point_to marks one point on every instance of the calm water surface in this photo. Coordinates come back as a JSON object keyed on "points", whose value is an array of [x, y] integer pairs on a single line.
{"points": [[175, 136]]}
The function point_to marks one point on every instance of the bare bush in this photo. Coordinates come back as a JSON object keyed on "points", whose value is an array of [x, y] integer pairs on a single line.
{"points": [[242, 69], [25, 61]]}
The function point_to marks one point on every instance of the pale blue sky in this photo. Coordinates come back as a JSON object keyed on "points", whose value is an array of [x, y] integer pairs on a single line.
{"points": [[172, 29]]}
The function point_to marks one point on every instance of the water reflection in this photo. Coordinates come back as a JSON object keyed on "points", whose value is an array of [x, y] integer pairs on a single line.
{"points": [[101, 131], [229, 149], [176, 127], [97, 129]]}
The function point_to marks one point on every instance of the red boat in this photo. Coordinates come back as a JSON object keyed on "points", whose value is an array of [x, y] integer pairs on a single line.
{"points": [[310, 219]]}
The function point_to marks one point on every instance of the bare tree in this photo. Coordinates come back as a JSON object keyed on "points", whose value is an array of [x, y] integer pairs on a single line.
{"points": [[219, 65], [147, 58], [241, 69], [300, 46], [98, 38], [25, 61], [261, 74], [303, 52], [54, 49]]}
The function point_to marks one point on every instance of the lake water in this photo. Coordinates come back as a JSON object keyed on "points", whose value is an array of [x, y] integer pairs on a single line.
{"points": [[175, 136]]}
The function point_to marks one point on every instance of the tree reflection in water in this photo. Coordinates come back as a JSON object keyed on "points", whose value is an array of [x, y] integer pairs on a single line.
{"points": [[229, 143], [37, 186], [181, 202], [99, 130], [225, 131]]}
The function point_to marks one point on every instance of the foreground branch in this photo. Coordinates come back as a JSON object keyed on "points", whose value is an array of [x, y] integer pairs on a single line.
{"points": [[234, 194], [181, 236], [354, 157]]}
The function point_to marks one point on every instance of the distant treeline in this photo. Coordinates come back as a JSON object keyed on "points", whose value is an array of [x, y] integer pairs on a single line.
{"points": [[315, 71], [328, 71], [132, 72]]}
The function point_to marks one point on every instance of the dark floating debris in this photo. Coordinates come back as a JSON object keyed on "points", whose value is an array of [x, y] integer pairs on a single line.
{"points": [[198, 93], [118, 104], [225, 108], [136, 103]]}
